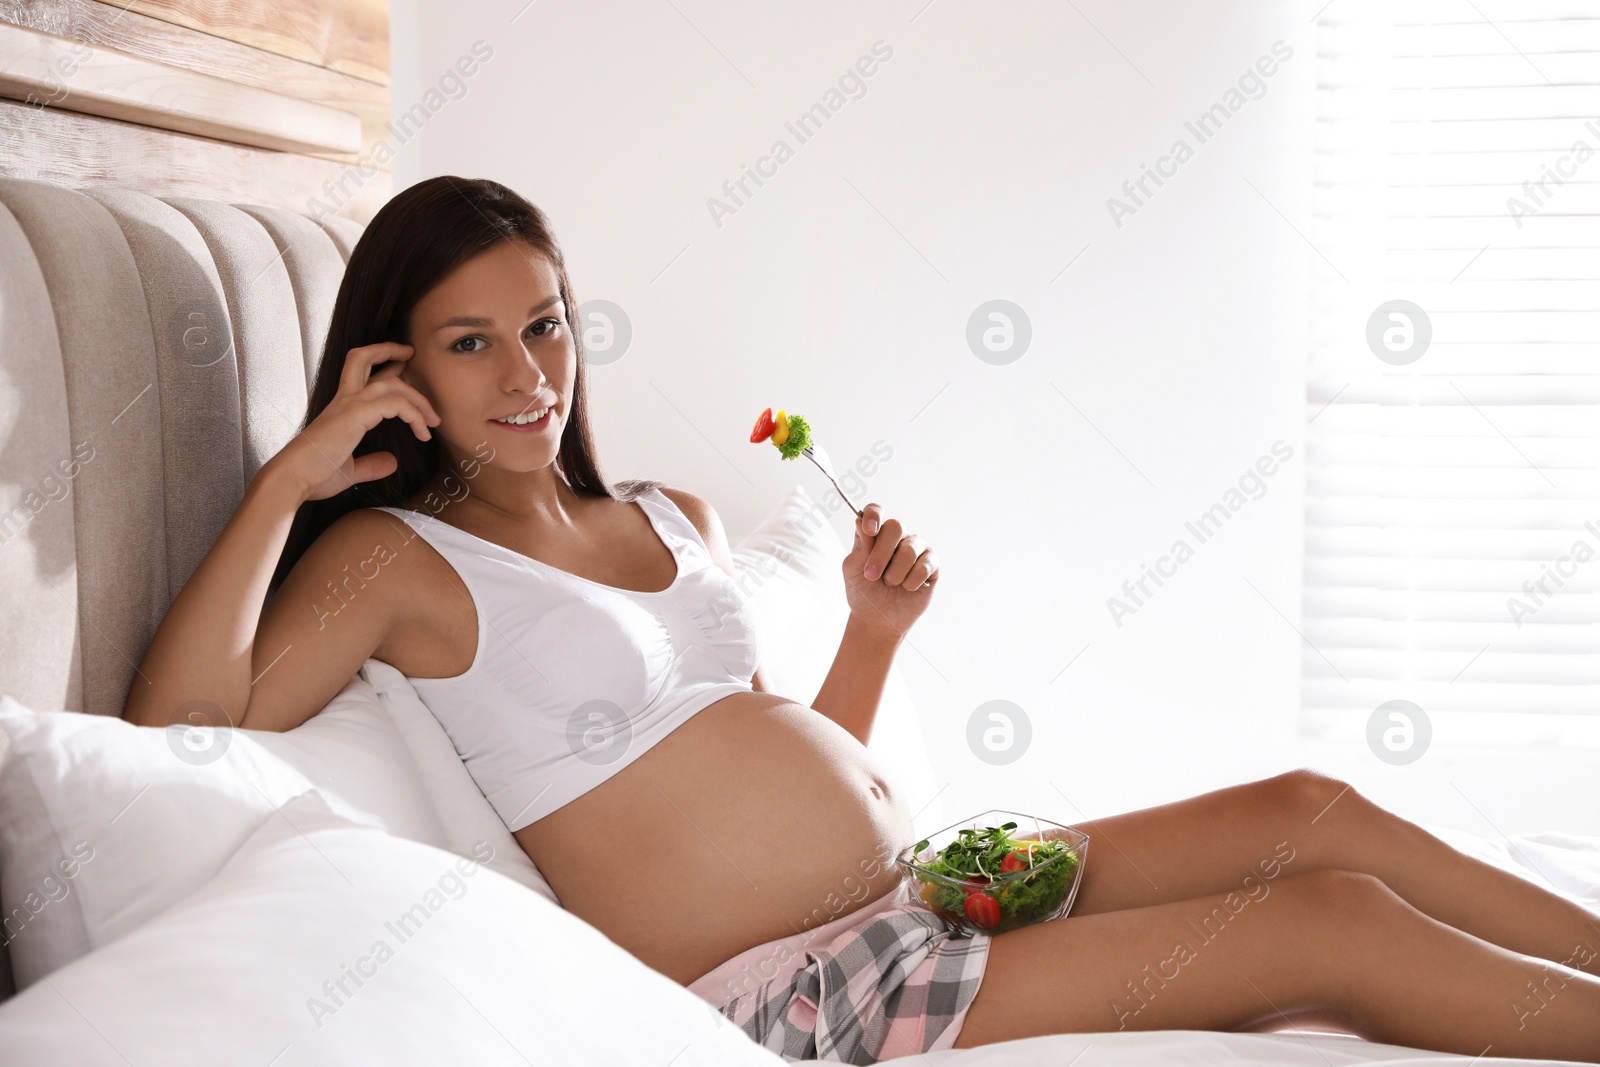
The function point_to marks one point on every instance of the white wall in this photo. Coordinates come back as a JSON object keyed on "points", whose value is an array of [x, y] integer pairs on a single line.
{"points": [[1165, 361]]}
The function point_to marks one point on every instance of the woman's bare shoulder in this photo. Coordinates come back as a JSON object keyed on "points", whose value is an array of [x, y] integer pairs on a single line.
{"points": [[344, 599], [704, 518], [381, 541], [698, 511], [430, 619]]}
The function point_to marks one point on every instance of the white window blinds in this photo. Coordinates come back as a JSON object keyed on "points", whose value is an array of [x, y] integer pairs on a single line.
{"points": [[1453, 506]]}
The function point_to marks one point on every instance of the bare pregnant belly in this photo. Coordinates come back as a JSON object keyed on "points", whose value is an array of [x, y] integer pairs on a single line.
{"points": [[756, 819]]}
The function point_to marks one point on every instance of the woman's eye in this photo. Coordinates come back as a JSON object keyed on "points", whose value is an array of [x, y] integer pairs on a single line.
{"points": [[550, 324]]}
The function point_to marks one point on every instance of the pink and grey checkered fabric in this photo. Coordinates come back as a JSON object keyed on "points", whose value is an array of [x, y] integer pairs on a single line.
{"points": [[876, 984]]}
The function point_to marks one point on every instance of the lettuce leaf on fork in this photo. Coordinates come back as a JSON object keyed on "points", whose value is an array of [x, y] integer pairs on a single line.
{"points": [[799, 437]]}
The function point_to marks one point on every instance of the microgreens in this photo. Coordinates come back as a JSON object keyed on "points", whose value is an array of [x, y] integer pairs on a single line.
{"points": [[972, 863]]}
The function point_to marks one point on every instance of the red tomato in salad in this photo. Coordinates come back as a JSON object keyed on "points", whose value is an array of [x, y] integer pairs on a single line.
{"points": [[975, 885], [1014, 861], [983, 910], [763, 428]]}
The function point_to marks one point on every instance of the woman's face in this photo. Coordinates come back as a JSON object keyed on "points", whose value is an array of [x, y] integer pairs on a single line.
{"points": [[491, 342]]}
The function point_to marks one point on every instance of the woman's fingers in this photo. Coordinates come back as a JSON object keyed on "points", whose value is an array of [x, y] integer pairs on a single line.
{"points": [[895, 556], [900, 565], [396, 406], [323, 453], [883, 548], [358, 363], [924, 571], [372, 466], [378, 386]]}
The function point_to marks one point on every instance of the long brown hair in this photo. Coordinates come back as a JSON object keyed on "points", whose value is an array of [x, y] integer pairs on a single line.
{"points": [[410, 245]]}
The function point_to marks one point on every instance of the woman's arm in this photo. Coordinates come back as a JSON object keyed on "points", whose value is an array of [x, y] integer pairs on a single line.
{"points": [[854, 686], [889, 577], [200, 660], [215, 659], [881, 607]]}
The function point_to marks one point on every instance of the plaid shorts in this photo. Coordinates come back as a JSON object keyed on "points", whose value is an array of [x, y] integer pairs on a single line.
{"points": [[871, 985]]}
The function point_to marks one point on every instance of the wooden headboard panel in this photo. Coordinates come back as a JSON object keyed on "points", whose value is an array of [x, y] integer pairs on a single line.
{"points": [[277, 102]]}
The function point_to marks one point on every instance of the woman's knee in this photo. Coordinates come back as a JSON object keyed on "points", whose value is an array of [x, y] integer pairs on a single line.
{"points": [[1355, 899], [1342, 922], [1340, 826], [1309, 792]]}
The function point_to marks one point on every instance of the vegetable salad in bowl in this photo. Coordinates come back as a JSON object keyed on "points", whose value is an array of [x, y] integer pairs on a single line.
{"points": [[980, 879]]}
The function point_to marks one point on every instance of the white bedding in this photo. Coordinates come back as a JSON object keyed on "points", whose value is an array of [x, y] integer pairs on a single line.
{"points": [[493, 973], [325, 941], [1198, 1047]]}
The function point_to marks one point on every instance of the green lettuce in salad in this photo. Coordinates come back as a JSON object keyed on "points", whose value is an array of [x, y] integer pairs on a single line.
{"points": [[990, 857]]}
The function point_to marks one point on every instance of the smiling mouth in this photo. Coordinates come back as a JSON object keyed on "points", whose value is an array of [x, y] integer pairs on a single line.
{"points": [[528, 420]]}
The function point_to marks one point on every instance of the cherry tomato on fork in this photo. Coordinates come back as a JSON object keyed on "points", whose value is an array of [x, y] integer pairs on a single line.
{"points": [[983, 910], [763, 428]]}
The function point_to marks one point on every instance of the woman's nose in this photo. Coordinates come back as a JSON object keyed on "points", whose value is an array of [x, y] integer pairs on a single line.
{"points": [[524, 374]]}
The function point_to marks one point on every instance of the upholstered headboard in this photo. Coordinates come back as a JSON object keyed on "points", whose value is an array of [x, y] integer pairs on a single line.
{"points": [[154, 352]]}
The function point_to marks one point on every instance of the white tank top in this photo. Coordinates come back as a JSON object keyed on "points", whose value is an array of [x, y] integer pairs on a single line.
{"points": [[573, 680]]}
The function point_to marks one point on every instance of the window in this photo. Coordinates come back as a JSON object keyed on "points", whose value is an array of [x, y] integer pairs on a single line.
{"points": [[1453, 401]]}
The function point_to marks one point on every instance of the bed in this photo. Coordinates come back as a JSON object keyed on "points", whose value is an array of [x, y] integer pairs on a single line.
{"points": [[340, 893]]}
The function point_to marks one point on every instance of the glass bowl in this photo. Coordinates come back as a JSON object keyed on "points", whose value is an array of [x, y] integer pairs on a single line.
{"points": [[1038, 893]]}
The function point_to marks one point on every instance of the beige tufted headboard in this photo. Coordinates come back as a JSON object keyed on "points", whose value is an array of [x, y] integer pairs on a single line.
{"points": [[154, 352]]}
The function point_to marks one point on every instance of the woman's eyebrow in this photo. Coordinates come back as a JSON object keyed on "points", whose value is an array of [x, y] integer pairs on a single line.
{"points": [[469, 321]]}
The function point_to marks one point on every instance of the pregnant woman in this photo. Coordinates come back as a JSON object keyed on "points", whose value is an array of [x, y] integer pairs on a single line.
{"points": [[582, 645]]}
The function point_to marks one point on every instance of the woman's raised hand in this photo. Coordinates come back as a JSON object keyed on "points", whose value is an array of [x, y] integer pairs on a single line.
{"points": [[889, 574], [320, 458]]}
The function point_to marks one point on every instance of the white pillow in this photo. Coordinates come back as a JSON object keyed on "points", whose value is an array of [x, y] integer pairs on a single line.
{"points": [[104, 824], [467, 815], [790, 575], [441, 961]]}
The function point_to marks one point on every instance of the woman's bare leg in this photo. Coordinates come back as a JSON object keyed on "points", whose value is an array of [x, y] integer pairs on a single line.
{"points": [[1302, 821], [1338, 941]]}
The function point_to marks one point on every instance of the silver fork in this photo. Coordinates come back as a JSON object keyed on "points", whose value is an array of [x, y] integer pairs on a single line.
{"points": [[816, 455]]}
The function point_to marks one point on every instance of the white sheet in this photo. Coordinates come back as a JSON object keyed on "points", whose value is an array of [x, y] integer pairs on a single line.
{"points": [[1159, 1047]]}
